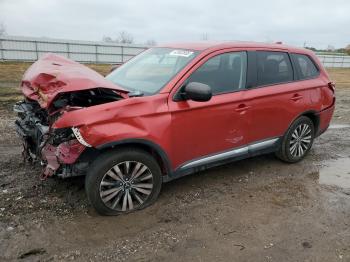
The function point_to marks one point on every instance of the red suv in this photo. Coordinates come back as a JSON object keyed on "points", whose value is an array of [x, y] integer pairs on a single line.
{"points": [[169, 112]]}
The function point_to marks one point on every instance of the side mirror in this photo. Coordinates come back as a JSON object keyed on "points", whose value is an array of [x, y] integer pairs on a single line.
{"points": [[197, 92]]}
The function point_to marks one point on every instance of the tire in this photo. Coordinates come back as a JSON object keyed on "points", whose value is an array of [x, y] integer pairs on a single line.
{"points": [[295, 138], [117, 177]]}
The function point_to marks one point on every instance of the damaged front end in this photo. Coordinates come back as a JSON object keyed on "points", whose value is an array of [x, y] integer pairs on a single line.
{"points": [[52, 87], [59, 150], [56, 149]]}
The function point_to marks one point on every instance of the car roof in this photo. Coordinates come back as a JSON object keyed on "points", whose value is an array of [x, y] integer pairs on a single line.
{"points": [[201, 46]]}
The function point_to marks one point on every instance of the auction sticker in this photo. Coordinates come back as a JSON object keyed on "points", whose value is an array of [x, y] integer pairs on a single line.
{"points": [[184, 53]]}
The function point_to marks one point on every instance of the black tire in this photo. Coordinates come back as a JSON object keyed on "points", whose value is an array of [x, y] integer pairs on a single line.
{"points": [[110, 159], [286, 152]]}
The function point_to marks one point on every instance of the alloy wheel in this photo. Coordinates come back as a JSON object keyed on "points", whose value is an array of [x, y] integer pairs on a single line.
{"points": [[300, 141], [126, 186]]}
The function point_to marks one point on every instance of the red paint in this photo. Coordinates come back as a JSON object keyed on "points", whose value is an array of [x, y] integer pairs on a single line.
{"points": [[65, 153], [68, 152], [184, 130], [53, 74], [49, 156]]}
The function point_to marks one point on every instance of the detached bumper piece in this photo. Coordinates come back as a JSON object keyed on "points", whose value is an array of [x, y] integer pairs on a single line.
{"points": [[66, 153]]}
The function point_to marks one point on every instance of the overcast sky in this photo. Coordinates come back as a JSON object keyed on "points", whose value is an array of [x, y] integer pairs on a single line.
{"points": [[319, 23]]}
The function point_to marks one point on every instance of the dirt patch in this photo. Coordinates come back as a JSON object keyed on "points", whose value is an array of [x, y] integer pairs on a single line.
{"points": [[340, 76]]}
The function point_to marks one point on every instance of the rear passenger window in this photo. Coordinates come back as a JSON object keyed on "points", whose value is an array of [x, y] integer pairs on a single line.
{"points": [[306, 68], [273, 68], [224, 73]]}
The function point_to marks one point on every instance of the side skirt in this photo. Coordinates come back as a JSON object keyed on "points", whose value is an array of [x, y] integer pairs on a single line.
{"points": [[203, 163]]}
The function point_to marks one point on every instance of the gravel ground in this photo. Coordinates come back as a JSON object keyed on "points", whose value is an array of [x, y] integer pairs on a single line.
{"points": [[258, 209]]}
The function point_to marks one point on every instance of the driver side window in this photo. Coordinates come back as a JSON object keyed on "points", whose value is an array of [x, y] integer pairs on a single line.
{"points": [[224, 73]]}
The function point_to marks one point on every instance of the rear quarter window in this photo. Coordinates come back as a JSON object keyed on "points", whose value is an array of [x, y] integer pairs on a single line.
{"points": [[306, 68]]}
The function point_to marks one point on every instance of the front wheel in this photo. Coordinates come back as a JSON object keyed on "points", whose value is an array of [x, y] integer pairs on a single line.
{"points": [[298, 140], [122, 181]]}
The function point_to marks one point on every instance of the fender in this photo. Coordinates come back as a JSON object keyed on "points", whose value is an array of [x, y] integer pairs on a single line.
{"points": [[143, 142]]}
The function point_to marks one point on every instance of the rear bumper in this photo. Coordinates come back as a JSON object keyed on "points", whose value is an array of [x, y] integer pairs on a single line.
{"points": [[325, 117]]}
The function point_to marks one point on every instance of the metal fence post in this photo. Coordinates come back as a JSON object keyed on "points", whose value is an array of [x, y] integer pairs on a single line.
{"points": [[96, 54], [68, 51], [36, 50], [1, 51], [122, 48]]}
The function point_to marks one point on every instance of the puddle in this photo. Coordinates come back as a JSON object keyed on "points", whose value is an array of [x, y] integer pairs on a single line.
{"points": [[336, 173], [338, 126]]}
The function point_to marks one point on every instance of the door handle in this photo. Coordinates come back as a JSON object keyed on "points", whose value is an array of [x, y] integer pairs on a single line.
{"points": [[296, 97], [242, 107]]}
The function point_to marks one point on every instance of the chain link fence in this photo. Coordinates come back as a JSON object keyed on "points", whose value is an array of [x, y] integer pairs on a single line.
{"points": [[334, 61]]}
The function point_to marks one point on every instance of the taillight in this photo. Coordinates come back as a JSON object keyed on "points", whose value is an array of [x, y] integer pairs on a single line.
{"points": [[331, 86]]}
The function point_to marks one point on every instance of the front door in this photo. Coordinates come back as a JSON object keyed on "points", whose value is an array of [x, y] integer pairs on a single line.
{"points": [[207, 128]]}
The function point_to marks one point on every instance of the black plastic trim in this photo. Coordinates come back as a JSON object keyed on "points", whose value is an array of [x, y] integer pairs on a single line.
{"points": [[294, 67], [252, 72], [138, 141], [250, 152]]}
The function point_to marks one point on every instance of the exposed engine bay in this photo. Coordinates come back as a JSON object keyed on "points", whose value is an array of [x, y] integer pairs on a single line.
{"points": [[86, 98], [57, 149]]}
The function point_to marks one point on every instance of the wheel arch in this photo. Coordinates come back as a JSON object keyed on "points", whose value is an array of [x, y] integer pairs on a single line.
{"points": [[314, 117], [150, 147]]}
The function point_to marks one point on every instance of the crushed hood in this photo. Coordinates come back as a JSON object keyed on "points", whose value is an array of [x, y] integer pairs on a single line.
{"points": [[53, 74]]}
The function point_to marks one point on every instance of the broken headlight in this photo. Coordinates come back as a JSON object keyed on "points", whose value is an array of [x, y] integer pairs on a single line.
{"points": [[62, 135], [80, 137]]}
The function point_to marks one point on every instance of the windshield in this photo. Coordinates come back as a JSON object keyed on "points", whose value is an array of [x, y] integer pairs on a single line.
{"points": [[151, 70]]}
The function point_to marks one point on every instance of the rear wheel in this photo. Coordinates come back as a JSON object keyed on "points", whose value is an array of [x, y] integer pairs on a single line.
{"points": [[298, 140], [123, 181]]}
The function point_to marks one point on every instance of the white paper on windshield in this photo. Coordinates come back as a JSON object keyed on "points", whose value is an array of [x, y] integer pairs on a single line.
{"points": [[184, 53]]}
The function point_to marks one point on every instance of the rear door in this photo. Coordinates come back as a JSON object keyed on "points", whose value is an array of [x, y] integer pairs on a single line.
{"points": [[308, 74], [276, 98]]}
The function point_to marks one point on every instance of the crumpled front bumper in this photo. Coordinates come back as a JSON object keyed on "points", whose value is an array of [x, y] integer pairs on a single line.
{"points": [[56, 150]]}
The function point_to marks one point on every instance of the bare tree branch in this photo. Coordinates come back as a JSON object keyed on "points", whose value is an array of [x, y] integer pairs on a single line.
{"points": [[107, 39], [151, 42], [2, 29], [123, 38]]}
